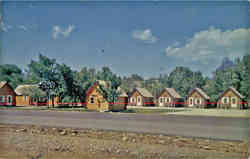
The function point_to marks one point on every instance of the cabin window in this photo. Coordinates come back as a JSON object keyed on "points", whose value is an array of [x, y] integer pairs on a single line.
{"points": [[1, 99], [9, 99], [138, 99], [198, 101], [92, 100], [132, 100], [34, 100], [161, 100], [225, 100], [167, 99], [233, 100], [191, 101], [24, 97]]}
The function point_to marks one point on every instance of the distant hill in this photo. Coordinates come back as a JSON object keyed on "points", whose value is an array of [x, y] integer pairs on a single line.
{"points": [[226, 63]]}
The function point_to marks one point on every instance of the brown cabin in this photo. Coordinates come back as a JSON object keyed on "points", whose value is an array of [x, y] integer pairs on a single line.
{"points": [[141, 97], [95, 99], [122, 100], [230, 98], [169, 97], [197, 98], [24, 100], [7, 94]]}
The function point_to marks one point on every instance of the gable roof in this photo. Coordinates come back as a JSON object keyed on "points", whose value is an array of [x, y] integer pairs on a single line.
{"points": [[2, 83], [234, 90], [172, 92], [20, 89], [91, 88], [144, 92], [201, 92]]}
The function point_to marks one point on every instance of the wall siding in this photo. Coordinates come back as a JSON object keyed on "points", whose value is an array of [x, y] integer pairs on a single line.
{"points": [[229, 93], [195, 95], [100, 103], [5, 91]]}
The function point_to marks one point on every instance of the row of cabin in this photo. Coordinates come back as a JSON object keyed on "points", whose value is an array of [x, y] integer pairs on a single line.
{"points": [[95, 98], [11, 97], [197, 98], [230, 98]]}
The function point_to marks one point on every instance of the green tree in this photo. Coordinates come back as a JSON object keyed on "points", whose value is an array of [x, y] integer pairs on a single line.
{"points": [[12, 74]]}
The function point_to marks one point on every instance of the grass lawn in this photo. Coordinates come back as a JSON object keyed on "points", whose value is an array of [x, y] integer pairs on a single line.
{"points": [[80, 109], [144, 110], [245, 113]]}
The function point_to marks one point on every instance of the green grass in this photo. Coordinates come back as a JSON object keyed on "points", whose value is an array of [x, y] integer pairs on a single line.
{"points": [[139, 110], [68, 108]]}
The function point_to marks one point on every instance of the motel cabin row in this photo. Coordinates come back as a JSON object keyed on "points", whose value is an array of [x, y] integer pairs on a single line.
{"points": [[11, 97], [96, 100]]}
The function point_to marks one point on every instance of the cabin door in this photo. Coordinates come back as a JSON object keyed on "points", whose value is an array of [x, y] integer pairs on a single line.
{"points": [[191, 102], [234, 102], [9, 100], [139, 101]]}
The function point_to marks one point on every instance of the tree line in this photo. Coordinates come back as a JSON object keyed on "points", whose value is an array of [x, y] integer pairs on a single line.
{"points": [[71, 85]]}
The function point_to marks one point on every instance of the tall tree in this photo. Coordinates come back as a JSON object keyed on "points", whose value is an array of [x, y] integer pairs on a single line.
{"points": [[12, 74], [45, 69]]}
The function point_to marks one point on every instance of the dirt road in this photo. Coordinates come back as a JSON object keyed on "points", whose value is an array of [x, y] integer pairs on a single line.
{"points": [[208, 127]]}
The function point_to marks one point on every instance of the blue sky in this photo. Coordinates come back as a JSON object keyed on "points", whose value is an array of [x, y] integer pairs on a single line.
{"points": [[147, 38]]}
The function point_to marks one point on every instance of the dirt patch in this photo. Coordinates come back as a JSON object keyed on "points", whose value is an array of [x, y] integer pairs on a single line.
{"points": [[33, 142]]}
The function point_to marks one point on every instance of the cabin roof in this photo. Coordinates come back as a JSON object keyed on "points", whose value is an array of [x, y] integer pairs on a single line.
{"points": [[144, 92], [2, 83], [173, 93], [202, 93], [20, 89], [234, 90]]}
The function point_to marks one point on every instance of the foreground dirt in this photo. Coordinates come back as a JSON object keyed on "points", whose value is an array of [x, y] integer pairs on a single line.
{"points": [[33, 142]]}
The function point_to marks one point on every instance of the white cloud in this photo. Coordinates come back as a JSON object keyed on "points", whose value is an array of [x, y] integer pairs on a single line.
{"points": [[5, 27], [144, 35], [212, 45], [22, 27], [57, 31]]}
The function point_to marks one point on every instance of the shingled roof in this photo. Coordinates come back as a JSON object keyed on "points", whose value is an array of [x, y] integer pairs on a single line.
{"points": [[173, 93], [21, 88], [144, 92], [2, 83], [235, 91], [202, 93]]}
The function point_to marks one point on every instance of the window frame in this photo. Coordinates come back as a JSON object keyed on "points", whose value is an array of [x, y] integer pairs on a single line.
{"points": [[9, 99], [223, 100], [2, 99], [92, 100], [191, 101], [234, 98]]}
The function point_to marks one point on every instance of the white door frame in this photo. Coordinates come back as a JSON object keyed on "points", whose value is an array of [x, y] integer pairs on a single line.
{"points": [[140, 99], [161, 101], [191, 105], [234, 105], [9, 102]]}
